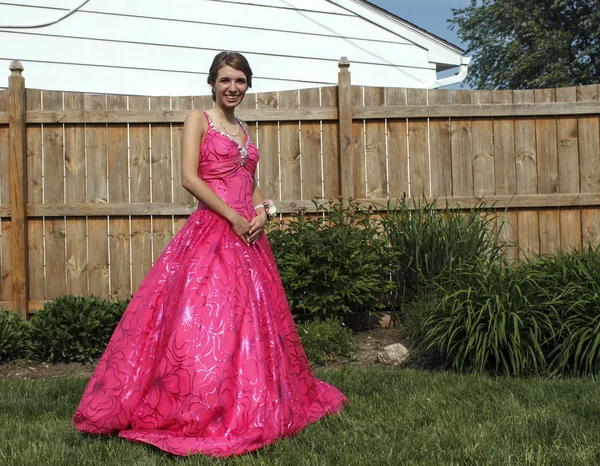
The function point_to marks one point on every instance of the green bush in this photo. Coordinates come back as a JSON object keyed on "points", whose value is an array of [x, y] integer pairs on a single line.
{"points": [[571, 281], [488, 320], [73, 329], [326, 340], [538, 317], [333, 260], [428, 242], [12, 336]]}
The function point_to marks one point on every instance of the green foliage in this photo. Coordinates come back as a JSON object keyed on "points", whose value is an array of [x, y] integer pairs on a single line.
{"points": [[332, 260], [427, 242], [12, 336], [538, 317], [521, 44], [73, 329], [485, 320], [574, 278], [326, 340]]}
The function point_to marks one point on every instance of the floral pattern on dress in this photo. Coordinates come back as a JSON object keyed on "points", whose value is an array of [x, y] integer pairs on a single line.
{"points": [[206, 358]]}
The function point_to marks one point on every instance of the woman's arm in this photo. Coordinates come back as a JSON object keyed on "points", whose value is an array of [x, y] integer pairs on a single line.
{"points": [[257, 223], [194, 131]]}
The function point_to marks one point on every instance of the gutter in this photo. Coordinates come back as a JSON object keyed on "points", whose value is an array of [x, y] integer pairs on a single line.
{"points": [[457, 78]]}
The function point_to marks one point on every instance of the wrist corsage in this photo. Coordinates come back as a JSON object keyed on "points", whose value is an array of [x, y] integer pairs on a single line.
{"points": [[269, 207]]}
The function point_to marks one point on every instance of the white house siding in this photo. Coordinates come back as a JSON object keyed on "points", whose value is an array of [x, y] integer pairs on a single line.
{"points": [[155, 47]]}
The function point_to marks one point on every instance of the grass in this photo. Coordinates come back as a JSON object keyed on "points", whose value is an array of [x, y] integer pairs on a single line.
{"points": [[399, 417]]}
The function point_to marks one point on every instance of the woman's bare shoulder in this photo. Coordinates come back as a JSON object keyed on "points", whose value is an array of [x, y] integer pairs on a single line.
{"points": [[196, 117]]}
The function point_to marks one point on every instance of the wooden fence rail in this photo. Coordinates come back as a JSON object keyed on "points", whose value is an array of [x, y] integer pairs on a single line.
{"points": [[90, 190]]}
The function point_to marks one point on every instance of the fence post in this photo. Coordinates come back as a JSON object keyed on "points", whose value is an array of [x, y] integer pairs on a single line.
{"points": [[17, 137], [347, 150]]}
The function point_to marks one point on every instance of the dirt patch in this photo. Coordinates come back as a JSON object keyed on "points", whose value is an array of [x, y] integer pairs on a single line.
{"points": [[370, 342]]}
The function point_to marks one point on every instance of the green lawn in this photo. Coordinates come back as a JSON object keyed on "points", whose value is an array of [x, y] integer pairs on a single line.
{"points": [[398, 417]]}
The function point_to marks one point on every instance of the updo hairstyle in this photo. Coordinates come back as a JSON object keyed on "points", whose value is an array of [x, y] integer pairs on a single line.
{"points": [[235, 60]]}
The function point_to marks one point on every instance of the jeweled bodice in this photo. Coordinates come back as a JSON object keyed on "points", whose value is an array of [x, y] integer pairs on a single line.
{"points": [[228, 167]]}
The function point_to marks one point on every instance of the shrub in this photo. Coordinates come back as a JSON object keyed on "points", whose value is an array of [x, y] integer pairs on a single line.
{"points": [[486, 321], [571, 281], [333, 260], [428, 242], [326, 340], [12, 336], [73, 329], [541, 316]]}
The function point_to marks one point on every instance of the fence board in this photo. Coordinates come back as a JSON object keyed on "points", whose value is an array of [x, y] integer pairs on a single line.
{"points": [[462, 148], [268, 144], [358, 139], [526, 169], [317, 114], [35, 226], [375, 147], [96, 191], [504, 147], [589, 141], [289, 149], [180, 194], [5, 241], [484, 177], [118, 191], [589, 156], [590, 222], [330, 135], [75, 192], [439, 147], [310, 141], [509, 234], [161, 172], [54, 192], [6, 268], [139, 167], [397, 147], [568, 171], [418, 146], [547, 145]]}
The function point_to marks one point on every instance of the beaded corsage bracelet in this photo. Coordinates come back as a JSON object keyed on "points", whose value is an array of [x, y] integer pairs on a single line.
{"points": [[269, 207]]}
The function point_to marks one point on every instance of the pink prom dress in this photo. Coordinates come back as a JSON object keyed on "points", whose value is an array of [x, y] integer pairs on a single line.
{"points": [[206, 358]]}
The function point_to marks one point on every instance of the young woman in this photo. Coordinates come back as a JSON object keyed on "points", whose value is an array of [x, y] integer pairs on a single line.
{"points": [[206, 358]]}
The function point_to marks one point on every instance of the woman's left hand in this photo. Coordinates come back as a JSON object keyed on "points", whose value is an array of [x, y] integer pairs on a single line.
{"points": [[256, 226]]}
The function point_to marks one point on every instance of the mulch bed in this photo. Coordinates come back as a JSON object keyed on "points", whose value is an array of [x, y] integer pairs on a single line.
{"points": [[370, 342]]}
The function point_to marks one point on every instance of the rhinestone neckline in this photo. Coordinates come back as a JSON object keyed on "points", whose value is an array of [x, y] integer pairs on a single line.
{"points": [[243, 149]]}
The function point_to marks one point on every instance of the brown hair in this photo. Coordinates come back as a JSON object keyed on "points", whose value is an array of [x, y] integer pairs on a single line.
{"points": [[235, 60]]}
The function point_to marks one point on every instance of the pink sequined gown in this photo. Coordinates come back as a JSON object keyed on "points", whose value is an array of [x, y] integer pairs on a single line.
{"points": [[206, 358]]}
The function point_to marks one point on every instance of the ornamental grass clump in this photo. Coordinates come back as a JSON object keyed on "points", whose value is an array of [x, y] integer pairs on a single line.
{"points": [[332, 260], [428, 242], [490, 318], [541, 316], [571, 281]]}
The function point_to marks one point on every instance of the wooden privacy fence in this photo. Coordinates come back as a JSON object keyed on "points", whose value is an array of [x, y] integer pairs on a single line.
{"points": [[90, 191]]}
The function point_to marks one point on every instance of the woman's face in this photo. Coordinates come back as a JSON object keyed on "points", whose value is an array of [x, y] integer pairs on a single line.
{"points": [[230, 88]]}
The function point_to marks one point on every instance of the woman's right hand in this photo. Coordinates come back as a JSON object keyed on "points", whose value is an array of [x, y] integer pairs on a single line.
{"points": [[241, 227]]}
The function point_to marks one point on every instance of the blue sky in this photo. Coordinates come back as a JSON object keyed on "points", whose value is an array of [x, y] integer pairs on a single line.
{"points": [[430, 15]]}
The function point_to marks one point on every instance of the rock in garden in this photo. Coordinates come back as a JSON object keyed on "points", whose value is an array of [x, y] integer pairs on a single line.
{"points": [[393, 355]]}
